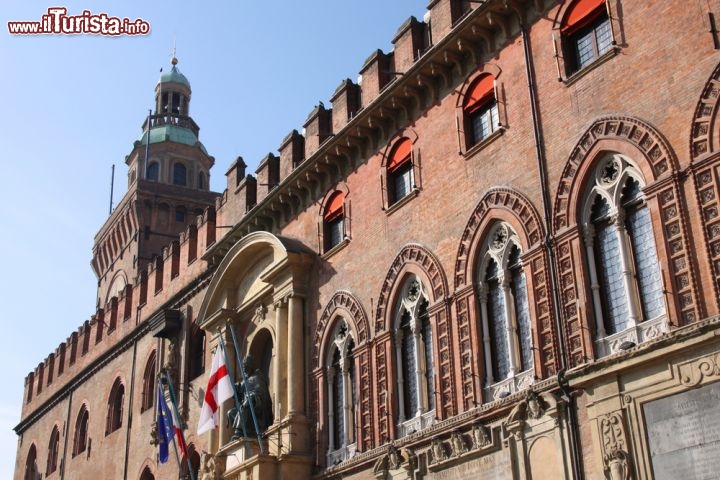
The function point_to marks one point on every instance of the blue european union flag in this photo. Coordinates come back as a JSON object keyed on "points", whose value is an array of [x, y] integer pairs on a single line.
{"points": [[165, 426]]}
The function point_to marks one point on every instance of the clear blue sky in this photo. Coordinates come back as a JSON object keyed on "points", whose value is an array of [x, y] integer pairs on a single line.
{"points": [[72, 107]]}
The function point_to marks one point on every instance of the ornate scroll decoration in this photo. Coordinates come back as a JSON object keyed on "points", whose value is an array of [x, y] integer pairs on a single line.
{"points": [[694, 372], [615, 454], [649, 141]]}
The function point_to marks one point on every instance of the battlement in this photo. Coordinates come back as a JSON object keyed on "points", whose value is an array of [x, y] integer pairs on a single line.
{"points": [[169, 272]]}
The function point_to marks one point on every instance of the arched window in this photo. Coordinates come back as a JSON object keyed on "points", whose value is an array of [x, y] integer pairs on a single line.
{"points": [[53, 449], [115, 407], [153, 171], [147, 474], [194, 457], [415, 366], [400, 175], [148, 392], [341, 395], [481, 110], [31, 468], [80, 441], [505, 315], [334, 221], [625, 275], [197, 351], [180, 174], [586, 32]]}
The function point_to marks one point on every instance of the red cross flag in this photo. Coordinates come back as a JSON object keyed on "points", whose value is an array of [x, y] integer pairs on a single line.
{"points": [[218, 390]]}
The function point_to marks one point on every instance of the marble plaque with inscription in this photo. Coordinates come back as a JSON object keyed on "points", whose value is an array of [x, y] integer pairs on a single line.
{"points": [[684, 434], [493, 466]]}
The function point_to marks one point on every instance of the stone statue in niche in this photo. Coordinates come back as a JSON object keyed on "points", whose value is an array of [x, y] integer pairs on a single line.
{"points": [[617, 465], [254, 397], [458, 444], [437, 451], [480, 435]]}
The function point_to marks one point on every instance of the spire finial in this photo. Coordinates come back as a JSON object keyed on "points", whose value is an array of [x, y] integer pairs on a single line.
{"points": [[174, 60]]}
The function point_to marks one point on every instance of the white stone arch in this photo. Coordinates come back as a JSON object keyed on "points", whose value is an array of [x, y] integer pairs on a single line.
{"points": [[259, 288]]}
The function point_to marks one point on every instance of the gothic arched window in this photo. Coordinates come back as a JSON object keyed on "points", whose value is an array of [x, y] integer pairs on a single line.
{"points": [[80, 440], [148, 392], [505, 315], [115, 407], [53, 449], [625, 275], [31, 468], [415, 365], [341, 395]]}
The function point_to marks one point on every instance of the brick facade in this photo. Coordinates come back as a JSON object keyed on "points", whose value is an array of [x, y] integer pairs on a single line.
{"points": [[648, 101]]}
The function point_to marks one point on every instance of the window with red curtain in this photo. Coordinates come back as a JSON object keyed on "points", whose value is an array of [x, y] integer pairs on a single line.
{"points": [[586, 33], [400, 171], [334, 221], [481, 110]]}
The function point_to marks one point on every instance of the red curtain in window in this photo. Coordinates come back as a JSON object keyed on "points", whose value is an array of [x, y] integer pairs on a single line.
{"points": [[481, 90], [400, 154], [334, 206], [580, 13]]}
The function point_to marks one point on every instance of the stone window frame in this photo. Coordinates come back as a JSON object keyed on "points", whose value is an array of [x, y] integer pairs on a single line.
{"points": [[343, 343], [608, 179], [412, 297], [498, 246]]}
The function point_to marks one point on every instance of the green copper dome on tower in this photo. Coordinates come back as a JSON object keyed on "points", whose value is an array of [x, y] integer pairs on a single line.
{"points": [[174, 75]]}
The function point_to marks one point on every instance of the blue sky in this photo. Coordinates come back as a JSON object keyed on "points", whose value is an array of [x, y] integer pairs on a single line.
{"points": [[72, 106]]}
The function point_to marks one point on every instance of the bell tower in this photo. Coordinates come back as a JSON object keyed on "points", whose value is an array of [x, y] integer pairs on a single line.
{"points": [[167, 188]]}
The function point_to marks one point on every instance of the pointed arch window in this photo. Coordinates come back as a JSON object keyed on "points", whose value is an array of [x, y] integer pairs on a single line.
{"points": [[180, 174], [80, 440], [341, 395], [334, 221], [148, 391], [505, 315], [625, 275], [147, 474], [31, 468], [153, 171], [53, 449], [197, 351], [115, 407], [586, 33], [415, 365], [480, 108]]}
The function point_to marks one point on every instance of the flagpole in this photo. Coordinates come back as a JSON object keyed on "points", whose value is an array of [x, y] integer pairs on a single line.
{"points": [[238, 406], [244, 377], [177, 414], [162, 392]]}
